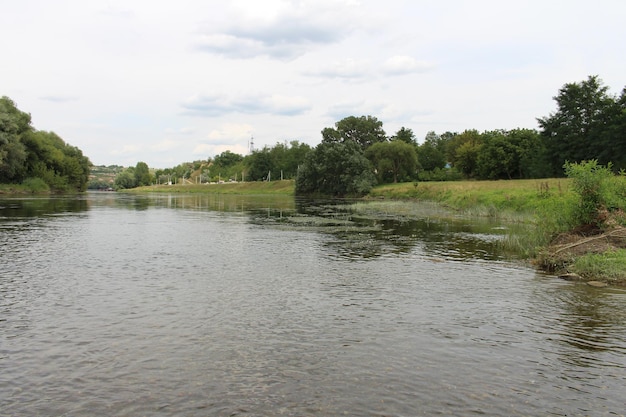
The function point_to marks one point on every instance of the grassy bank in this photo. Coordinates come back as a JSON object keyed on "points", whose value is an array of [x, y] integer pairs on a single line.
{"points": [[285, 187], [492, 198]]}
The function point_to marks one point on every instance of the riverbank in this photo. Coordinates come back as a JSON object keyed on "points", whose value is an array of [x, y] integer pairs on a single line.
{"points": [[554, 242], [283, 187]]}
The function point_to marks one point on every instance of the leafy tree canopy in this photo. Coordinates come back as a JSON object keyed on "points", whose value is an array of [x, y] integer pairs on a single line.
{"points": [[26, 153], [588, 124], [335, 169], [364, 130], [395, 160]]}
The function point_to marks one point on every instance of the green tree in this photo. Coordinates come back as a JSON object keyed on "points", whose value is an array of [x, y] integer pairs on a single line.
{"points": [[364, 130], [26, 153], [335, 169], [405, 135], [142, 174], [582, 128], [286, 157], [14, 124], [498, 158], [463, 150], [126, 179], [431, 153], [393, 160], [259, 165], [227, 159]]}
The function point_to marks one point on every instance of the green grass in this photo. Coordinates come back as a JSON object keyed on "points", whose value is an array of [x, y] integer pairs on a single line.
{"points": [[29, 186], [481, 196], [285, 187], [608, 266]]}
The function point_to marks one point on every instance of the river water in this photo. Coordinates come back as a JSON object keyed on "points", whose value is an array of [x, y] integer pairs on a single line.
{"points": [[188, 305]]}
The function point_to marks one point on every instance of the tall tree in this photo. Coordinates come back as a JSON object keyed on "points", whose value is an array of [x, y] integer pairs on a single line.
{"points": [[578, 130], [463, 150], [393, 160], [431, 153], [405, 135], [142, 174], [14, 124], [259, 165], [364, 130], [335, 169]]}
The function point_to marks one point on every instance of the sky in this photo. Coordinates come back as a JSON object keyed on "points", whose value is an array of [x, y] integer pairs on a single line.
{"points": [[167, 82]]}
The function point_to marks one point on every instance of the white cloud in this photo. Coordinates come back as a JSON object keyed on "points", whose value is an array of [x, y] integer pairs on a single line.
{"points": [[220, 105], [402, 64], [347, 69], [126, 150], [230, 133]]}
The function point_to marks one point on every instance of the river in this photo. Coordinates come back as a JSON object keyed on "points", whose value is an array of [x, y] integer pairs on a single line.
{"points": [[217, 305]]}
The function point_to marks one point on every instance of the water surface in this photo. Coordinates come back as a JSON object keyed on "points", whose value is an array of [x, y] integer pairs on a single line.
{"points": [[228, 305]]}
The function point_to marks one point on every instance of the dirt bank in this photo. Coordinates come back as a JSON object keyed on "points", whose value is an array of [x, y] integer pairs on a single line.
{"points": [[560, 256]]}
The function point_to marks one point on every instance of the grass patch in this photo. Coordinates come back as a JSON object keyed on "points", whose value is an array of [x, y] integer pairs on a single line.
{"points": [[480, 196], [610, 266], [284, 187]]}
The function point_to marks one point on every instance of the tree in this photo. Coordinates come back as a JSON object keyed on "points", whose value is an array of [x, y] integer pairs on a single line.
{"points": [[14, 124], [27, 153], [126, 179], [405, 135], [498, 158], [463, 150], [393, 160], [286, 157], [259, 164], [364, 130], [142, 174], [431, 153], [582, 127], [227, 159], [335, 169]]}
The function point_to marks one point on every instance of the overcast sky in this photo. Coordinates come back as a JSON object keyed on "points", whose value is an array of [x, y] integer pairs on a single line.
{"points": [[166, 82]]}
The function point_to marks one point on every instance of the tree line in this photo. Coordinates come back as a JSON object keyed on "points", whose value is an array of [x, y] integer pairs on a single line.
{"points": [[280, 161], [589, 124], [354, 155], [39, 159], [357, 153]]}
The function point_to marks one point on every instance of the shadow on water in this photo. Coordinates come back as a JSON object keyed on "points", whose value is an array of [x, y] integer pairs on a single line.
{"points": [[32, 207]]}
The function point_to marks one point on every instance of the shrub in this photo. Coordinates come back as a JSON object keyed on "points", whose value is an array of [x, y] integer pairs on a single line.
{"points": [[592, 184], [36, 185]]}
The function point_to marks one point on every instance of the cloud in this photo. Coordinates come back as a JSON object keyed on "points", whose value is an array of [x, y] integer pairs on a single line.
{"points": [[165, 145], [126, 150], [219, 105], [348, 69], [287, 33], [207, 149], [403, 64], [59, 98], [230, 133], [354, 108]]}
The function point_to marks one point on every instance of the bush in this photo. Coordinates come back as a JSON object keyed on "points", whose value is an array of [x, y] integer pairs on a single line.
{"points": [[592, 184], [36, 185]]}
